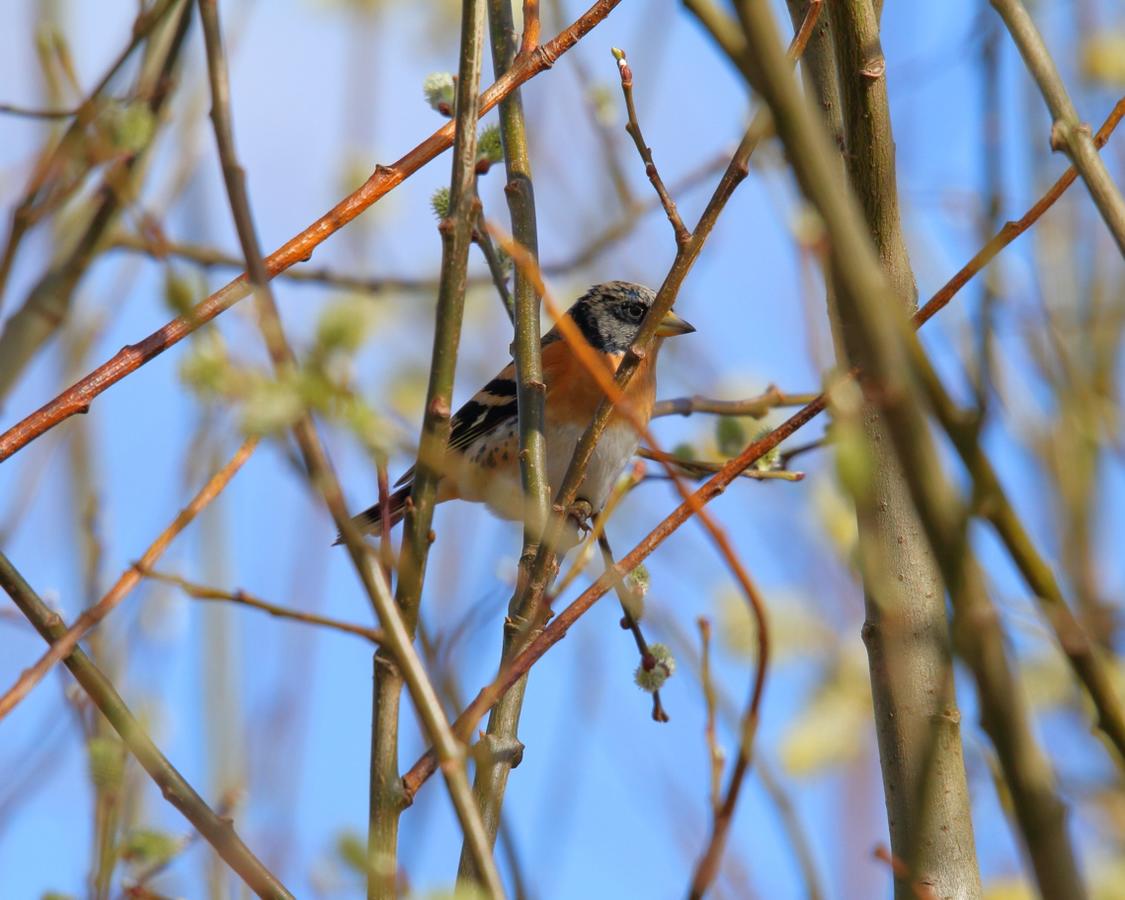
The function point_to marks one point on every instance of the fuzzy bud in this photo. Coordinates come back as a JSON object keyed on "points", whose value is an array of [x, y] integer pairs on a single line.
{"points": [[440, 89], [729, 435], [439, 202], [489, 148], [639, 579], [106, 760], [657, 667], [770, 460], [148, 847]]}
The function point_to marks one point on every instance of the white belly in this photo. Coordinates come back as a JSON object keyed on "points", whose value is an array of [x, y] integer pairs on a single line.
{"points": [[491, 472], [616, 447]]}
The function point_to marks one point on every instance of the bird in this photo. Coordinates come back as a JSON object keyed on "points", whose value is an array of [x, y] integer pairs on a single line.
{"points": [[482, 456]]}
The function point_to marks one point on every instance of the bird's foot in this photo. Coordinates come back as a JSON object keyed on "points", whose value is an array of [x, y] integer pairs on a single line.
{"points": [[577, 523]]}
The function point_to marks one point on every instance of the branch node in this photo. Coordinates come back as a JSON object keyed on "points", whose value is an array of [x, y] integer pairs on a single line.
{"points": [[874, 69], [439, 407]]}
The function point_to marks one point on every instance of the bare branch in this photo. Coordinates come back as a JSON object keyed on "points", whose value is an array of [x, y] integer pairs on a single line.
{"points": [[216, 830], [754, 407], [242, 598], [634, 129], [491, 778], [128, 580], [1068, 132], [78, 397], [631, 600]]}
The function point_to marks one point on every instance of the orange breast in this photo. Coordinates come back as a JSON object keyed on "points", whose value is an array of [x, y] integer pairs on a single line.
{"points": [[573, 394]]}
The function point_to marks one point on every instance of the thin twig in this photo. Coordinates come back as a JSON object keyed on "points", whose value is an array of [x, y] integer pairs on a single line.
{"points": [[530, 38], [787, 456], [701, 468], [633, 127], [755, 407], [495, 266], [78, 397], [714, 749], [631, 600], [1068, 132], [631, 216], [1014, 229], [158, 247], [585, 554], [27, 112], [129, 579], [242, 598]]}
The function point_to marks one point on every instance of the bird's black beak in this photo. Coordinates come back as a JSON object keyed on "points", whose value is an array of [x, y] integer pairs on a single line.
{"points": [[671, 325]]}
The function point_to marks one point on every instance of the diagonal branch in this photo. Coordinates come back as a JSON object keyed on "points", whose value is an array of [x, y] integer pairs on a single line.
{"points": [[1068, 133], [78, 397], [128, 580], [216, 830], [242, 598]]}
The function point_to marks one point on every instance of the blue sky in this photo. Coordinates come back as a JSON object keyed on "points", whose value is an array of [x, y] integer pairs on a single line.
{"points": [[605, 803]]}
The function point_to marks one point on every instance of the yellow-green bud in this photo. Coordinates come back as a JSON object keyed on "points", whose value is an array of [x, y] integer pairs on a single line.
{"points": [[439, 202], [657, 667], [440, 89]]}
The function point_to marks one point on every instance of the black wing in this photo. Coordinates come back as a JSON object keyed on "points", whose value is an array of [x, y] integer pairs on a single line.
{"points": [[493, 405]]}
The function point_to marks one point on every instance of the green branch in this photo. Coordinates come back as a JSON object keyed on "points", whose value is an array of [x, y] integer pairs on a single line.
{"points": [[1068, 132], [492, 771]]}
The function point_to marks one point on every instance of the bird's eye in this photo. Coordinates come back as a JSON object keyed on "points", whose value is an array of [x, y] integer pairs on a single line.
{"points": [[634, 312]]}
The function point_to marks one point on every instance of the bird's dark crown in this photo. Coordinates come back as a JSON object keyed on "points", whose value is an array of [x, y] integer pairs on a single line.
{"points": [[610, 314]]}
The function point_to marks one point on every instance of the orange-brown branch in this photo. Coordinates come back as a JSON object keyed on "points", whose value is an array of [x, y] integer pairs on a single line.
{"points": [[129, 579], [78, 397]]}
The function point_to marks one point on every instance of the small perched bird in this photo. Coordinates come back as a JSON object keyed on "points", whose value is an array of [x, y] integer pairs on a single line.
{"points": [[482, 461]]}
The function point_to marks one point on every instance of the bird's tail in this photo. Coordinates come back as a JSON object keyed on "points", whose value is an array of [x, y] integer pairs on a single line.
{"points": [[370, 521]]}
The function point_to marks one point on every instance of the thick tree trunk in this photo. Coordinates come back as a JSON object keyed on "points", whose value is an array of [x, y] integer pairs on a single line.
{"points": [[907, 631]]}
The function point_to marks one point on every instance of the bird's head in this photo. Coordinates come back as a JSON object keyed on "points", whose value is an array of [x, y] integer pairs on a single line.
{"points": [[610, 315]]}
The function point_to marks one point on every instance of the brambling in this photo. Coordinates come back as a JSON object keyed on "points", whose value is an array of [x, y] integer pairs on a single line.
{"points": [[482, 462]]}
